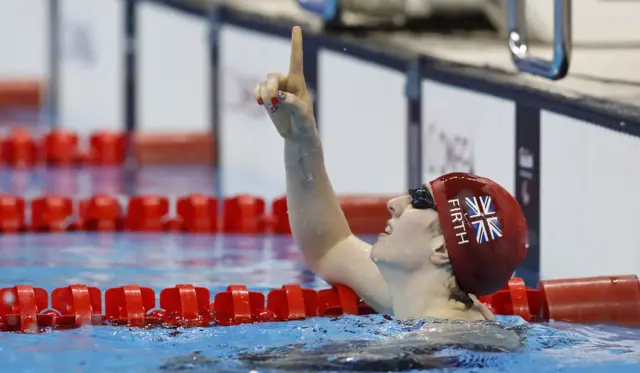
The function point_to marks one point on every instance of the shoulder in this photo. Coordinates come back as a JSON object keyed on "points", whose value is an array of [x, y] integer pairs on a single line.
{"points": [[349, 263], [482, 309]]}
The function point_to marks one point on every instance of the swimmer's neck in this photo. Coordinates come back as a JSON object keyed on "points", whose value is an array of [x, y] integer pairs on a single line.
{"points": [[423, 294]]}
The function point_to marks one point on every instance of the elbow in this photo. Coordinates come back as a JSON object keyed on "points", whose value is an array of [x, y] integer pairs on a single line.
{"points": [[317, 264], [325, 269], [313, 263]]}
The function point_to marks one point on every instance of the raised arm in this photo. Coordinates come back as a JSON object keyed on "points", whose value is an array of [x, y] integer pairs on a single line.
{"points": [[317, 222]]}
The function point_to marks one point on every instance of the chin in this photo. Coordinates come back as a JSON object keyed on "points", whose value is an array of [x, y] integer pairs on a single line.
{"points": [[374, 253], [388, 257], [378, 254], [385, 257]]}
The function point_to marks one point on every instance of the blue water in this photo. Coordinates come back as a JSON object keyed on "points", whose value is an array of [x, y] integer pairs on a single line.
{"points": [[163, 260]]}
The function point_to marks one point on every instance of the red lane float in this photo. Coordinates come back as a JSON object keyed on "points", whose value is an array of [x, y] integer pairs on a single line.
{"points": [[613, 300], [243, 215], [19, 149], [238, 305], [516, 299], [77, 305], [293, 302], [107, 149], [60, 148], [131, 305], [281, 216], [21, 94], [337, 301], [51, 214], [100, 213], [147, 213], [194, 148], [186, 304], [195, 213], [365, 214], [20, 307], [12, 214], [198, 213]]}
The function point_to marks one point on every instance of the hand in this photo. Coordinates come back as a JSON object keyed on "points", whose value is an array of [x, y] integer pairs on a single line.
{"points": [[285, 97]]}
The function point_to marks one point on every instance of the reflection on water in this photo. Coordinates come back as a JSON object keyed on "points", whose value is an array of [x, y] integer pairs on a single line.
{"points": [[424, 345], [373, 344], [351, 357], [378, 345], [85, 181]]}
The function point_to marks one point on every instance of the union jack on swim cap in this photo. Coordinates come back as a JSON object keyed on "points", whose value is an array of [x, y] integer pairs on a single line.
{"points": [[484, 230]]}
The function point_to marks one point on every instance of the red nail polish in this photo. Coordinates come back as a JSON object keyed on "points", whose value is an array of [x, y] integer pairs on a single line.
{"points": [[260, 102], [274, 101]]}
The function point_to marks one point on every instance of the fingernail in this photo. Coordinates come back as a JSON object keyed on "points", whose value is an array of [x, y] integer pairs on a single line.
{"points": [[281, 96], [274, 100], [260, 102]]}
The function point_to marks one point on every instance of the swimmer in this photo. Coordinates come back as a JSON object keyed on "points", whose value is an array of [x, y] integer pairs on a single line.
{"points": [[447, 242]]}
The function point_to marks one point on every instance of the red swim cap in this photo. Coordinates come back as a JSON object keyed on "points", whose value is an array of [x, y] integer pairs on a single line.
{"points": [[484, 230]]}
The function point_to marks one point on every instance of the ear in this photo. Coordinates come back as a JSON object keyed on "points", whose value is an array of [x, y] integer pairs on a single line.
{"points": [[440, 256]]}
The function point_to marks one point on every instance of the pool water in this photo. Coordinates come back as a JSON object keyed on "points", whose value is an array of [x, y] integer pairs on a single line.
{"points": [[349, 343], [161, 261]]}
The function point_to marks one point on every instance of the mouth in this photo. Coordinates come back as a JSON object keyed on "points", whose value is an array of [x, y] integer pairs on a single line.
{"points": [[387, 231]]}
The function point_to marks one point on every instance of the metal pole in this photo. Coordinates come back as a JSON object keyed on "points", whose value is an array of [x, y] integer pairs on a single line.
{"points": [[215, 23], [413, 95], [130, 41], [558, 67], [130, 65], [52, 96]]}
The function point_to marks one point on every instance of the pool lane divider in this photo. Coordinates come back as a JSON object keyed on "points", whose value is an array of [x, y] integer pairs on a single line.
{"points": [[613, 300], [21, 149], [60, 148], [23, 308], [194, 213]]}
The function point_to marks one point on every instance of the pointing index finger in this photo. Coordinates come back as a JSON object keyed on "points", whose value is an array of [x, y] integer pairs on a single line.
{"points": [[295, 63]]}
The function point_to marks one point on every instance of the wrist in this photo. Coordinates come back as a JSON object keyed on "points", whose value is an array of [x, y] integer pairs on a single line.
{"points": [[306, 138]]}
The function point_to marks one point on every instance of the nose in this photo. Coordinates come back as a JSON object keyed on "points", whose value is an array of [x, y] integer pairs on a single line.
{"points": [[397, 205]]}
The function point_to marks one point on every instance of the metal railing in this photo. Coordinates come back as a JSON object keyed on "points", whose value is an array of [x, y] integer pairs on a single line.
{"points": [[558, 67]]}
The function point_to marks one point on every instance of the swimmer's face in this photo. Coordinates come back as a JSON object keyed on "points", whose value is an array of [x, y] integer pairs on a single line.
{"points": [[413, 238]]}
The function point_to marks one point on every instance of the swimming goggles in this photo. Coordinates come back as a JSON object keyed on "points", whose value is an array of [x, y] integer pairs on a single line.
{"points": [[422, 199]]}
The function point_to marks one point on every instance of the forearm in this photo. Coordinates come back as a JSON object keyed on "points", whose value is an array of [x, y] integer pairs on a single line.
{"points": [[317, 221]]}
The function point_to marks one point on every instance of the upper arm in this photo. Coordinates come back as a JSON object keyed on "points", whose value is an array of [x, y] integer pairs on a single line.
{"points": [[349, 263]]}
